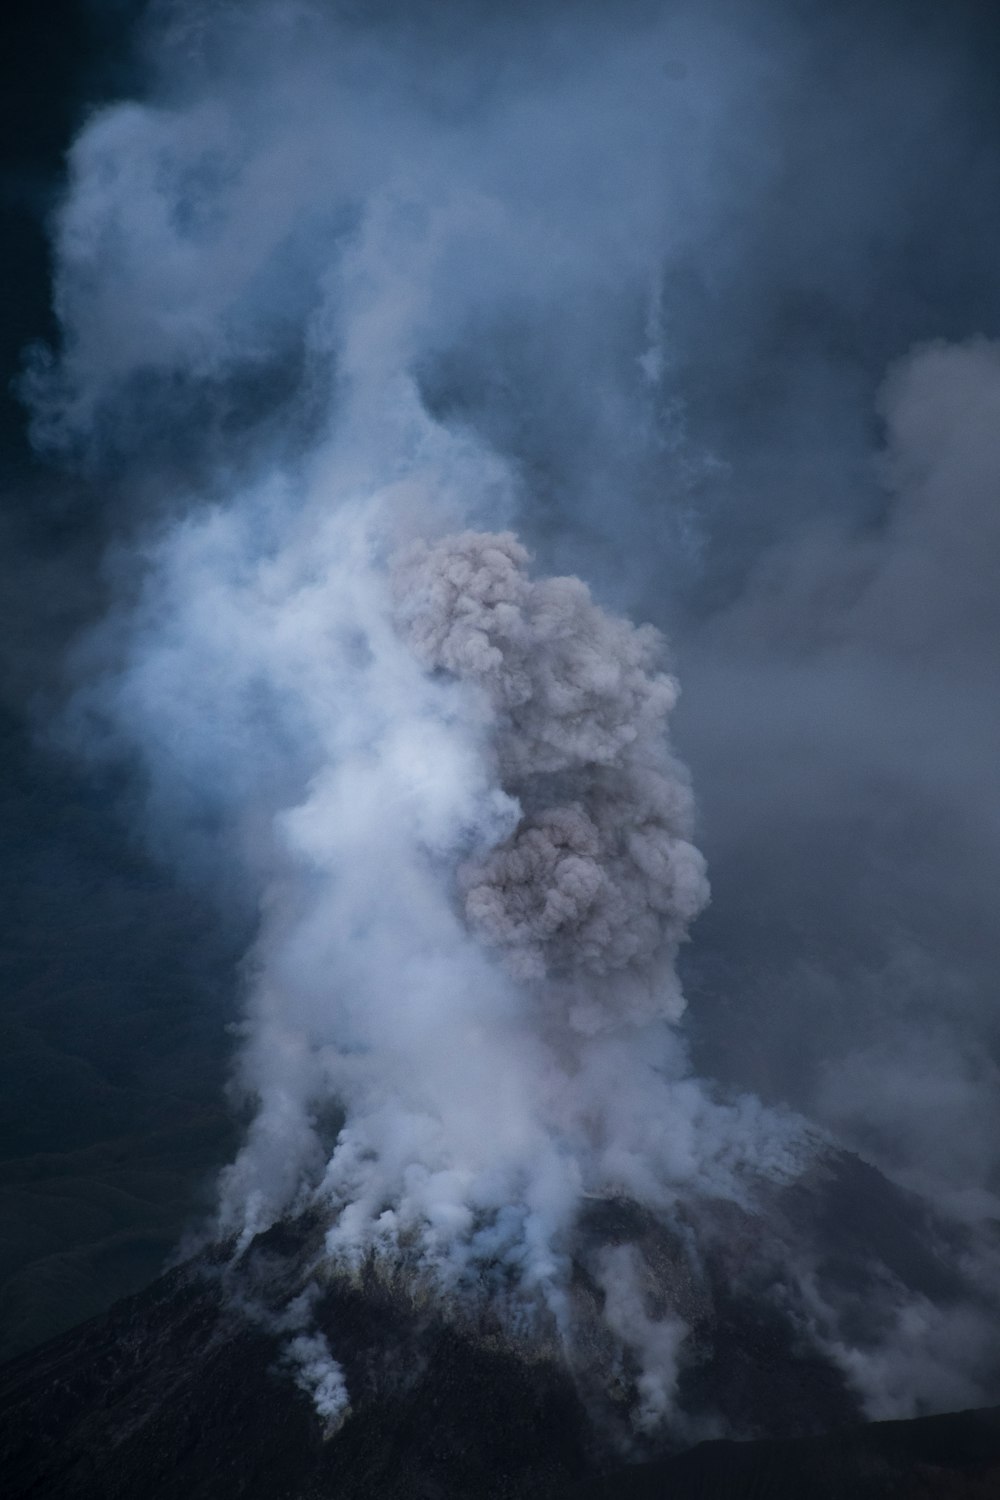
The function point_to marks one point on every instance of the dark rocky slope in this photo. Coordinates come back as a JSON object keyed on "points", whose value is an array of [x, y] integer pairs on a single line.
{"points": [[185, 1389], [953, 1457]]}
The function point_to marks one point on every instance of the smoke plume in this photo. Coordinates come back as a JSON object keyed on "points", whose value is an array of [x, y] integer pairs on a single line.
{"points": [[344, 297], [598, 883]]}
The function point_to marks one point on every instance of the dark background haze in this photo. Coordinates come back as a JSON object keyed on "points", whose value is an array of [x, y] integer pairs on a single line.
{"points": [[114, 990], [820, 546]]}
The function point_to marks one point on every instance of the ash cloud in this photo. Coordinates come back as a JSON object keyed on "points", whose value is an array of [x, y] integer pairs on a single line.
{"points": [[599, 881]]}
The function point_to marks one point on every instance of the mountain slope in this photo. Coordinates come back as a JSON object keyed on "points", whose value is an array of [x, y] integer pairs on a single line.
{"points": [[187, 1391]]}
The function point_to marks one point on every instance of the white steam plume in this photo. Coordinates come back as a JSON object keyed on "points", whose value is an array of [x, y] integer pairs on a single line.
{"points": [[653, 1342], [454, 795], [480, 1098]]}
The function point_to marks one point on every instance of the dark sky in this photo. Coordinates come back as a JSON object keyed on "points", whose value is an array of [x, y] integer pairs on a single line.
{"points": [[825, 566], [114, 993]]}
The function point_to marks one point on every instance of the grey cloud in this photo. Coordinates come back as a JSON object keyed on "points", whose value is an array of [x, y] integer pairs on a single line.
{"points": [[599, 881], [861, 663]]}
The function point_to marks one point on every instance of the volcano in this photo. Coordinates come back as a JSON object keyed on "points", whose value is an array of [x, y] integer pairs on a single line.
{"points": [[187, 1389]]}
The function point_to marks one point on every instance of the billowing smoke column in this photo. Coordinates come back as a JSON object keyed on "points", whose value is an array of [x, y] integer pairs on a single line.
{"points": [[598, 882], [469, 925], [469, 920]]}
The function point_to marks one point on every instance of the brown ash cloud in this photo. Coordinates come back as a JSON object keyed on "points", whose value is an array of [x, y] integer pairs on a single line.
{"points": [[598, 883]]}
